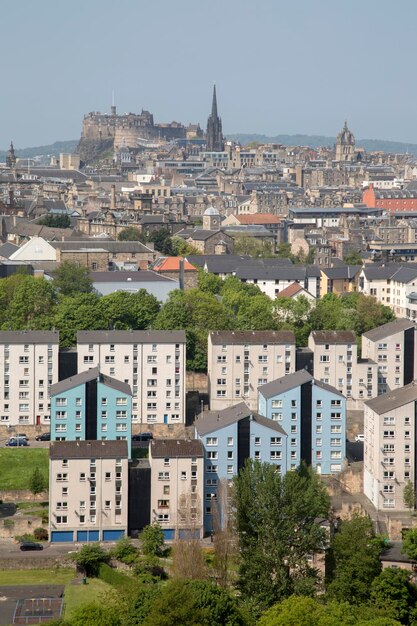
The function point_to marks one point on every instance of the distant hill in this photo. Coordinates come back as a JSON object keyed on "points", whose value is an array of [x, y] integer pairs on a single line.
{"points": [[320, 141], [53, 150], [315, 141]]}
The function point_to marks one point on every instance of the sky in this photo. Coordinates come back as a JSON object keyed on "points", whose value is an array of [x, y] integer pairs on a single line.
{"points": [[280, 66]]}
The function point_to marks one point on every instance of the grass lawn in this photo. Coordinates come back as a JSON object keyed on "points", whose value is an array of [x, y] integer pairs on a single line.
{"points": [[76, 595], [59, 576], [17, 465]]}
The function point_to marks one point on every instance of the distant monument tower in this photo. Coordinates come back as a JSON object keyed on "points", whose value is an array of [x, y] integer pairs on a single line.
{"points": [[113, 106], [11, 157], [214, 136], [345, 145]]}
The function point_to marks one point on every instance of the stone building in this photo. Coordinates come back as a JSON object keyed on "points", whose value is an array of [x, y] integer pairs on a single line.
{"points": [[345, 145], [214, 136]]}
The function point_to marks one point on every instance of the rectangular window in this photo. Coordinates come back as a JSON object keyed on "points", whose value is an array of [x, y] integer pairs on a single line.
{"points": [[211, 441]]}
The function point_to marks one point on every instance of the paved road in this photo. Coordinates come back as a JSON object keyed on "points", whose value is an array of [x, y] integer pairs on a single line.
{"points": [[11, 550]]}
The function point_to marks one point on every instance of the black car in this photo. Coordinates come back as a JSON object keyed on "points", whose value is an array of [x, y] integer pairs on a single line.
{"points": [[142, 437], [43, 437], [30, 545]]}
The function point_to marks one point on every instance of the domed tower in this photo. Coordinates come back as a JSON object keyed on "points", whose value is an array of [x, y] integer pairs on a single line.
{"points": [[11, 157], [345, 145], [211, 219]]}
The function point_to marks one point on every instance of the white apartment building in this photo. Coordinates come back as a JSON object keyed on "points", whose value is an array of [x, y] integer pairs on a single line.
{"points": [[177, 486], [336, 363], [88, 490], [241, 361], [389, 453], [393, 347], [151, 362], [28, 368], [392, 284]]}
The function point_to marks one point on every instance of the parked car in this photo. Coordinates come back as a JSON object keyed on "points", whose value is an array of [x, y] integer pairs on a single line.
{"points": [[22, 436], [142, 437], [360, 438], [15, 442], [43, 437], [30, 545]]}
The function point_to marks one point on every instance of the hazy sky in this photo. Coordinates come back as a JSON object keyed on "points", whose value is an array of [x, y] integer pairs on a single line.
{"points": [[280, 66]]}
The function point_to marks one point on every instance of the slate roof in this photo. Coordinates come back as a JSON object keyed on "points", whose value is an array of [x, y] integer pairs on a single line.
{"points": [[393, 399], [343, 272], [88, 449], [85, 377], [284, 272], [131, 336], [214, 420], [173, 448], [254, 337], [109, 245], [141, 276], [334, 336], [7, 249], [290, 381], [28, 336], [388, 329]]}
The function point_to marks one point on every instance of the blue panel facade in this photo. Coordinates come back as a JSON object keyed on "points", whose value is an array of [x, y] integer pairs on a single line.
{"points": [[114, 414], [68, 415], [328, 430], [62, 536], [268, 445], [113, 535], [169, 534]]}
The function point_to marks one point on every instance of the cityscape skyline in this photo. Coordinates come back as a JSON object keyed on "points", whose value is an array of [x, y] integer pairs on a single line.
{"points": [[312, 71]]}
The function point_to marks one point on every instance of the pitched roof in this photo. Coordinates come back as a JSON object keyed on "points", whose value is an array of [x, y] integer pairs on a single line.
{"points": [[29, 336], [131, 336], [173, 448], [258, 218], [290, 291], [111, 246], [88, 449], [388, 329], [342, 272], [290, 381], [214, 420], [393, 399], [333, 336], [171, 264], [7, 249], [141, 276], [254, 337], [85, 377]]}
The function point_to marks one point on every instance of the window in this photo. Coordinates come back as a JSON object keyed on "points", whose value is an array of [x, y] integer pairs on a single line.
{"points": [[319, 403], [88, 359], [230, 441], [211, 469], [212, 441], [212, 454], [62, 477], [221, 393], [276, 404], [61, 402], [103, 401], [230, 469], [230, 454], [82, 477], [275, 455], [163, 476], [121, 401], [324, 358], [61, 519]]}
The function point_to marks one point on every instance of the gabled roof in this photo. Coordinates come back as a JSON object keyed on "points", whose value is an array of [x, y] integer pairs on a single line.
{"points": [[344, 272], [258, 218], [86, 377], [393, 399], [290, 291], [7, 249], [171, 264], [214, 420], [290, 381], [175, 448], [381, 332], [88, 449], [130, 336], [29, 336]]}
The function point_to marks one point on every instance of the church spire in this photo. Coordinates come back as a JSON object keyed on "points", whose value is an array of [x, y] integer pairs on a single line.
{"points": [[214, 135]]}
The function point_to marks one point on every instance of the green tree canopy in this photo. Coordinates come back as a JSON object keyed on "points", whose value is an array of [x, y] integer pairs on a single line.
{"points": [[393, 593], [55, 221], [32, 306], [252, 246], [152, 540], [132, 233], [37, 481], [70, 278], [80, 312], [410, 544], [354, 560], [90, 557], [277, 528]]}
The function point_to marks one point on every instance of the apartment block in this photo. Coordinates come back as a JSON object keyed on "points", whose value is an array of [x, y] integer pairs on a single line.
{"points": [[336, 363], [229, 437], [313, 414], [177, 474], [151, 362], [240, 361], [88, 491], [389, 452], [91, 406], [393, 348], [28, 367]]}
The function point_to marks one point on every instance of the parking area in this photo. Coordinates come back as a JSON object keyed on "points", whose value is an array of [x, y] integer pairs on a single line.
{"points": [[30, 600]]}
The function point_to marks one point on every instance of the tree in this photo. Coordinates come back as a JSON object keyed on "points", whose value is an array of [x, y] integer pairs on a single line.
{"points": [[94, 614], [392, 592], [80, 312], [161, 238], [71, 278], [131, 233], [55, 221], [250, 246], [125, 551], [277, 529], [37, 482], [410, 544], [176, 605], [208, 282], [90, 557], [353, 560], [187, 559], [409, 495], [353, 258], [293, 314], [33, 305], [221, 607], [182, 248], [152, 539]]}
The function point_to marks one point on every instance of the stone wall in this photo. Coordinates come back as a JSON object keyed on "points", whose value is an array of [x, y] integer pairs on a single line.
{"points": [[21, 526], [22, 495], [196, 381], [37, 563]]}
